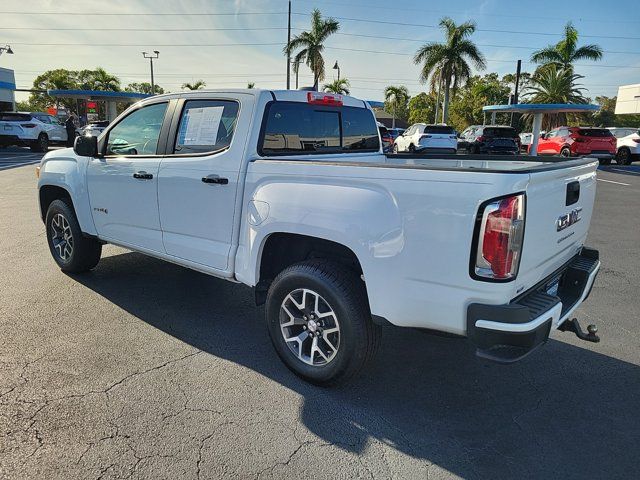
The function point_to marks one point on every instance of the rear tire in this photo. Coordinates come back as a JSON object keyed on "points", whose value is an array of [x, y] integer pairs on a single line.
{"points": [[412, 148], [72, 251], [321, 305], [623, 157], [604, 161], [395, 148], [41, 144]]}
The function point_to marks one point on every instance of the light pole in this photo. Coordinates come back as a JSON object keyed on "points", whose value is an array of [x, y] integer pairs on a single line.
{"points": [[151, 57], [7, 49], [289, 51], [337, 67]]}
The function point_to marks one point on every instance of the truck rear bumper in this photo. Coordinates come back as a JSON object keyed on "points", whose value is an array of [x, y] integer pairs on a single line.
{"points": [[507, 333]]}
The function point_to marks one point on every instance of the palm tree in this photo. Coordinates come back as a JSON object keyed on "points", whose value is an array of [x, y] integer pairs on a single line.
{"points": [[101, 80], [311, 44], [448, 62], [566, 51], [197, 85], [395, 96], [555, 84], [251, 85], [341, 87]]}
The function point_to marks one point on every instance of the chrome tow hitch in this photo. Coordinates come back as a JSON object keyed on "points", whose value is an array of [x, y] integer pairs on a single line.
{"points": [[573, 326]]}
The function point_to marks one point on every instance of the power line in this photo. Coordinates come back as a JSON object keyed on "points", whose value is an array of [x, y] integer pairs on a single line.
{"points": [[478, 44], [108, 29], [145, 14], [424, 25], [369, 6], [146, 44]]}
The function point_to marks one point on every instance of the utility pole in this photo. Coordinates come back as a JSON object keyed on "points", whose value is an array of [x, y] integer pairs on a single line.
{"points": [[289, 51], [151, 57], [514, 116], [438, 97]]}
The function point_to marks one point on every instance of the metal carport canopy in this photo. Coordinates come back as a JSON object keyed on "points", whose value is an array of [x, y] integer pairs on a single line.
{"points": [[538, 110]]}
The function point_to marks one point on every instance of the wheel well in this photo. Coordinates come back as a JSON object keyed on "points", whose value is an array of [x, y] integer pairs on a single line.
{"points": [[49, 193], [284, 249]]}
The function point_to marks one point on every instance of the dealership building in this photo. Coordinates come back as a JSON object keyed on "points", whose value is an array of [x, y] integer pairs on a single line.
{"points": [[7, 90]]}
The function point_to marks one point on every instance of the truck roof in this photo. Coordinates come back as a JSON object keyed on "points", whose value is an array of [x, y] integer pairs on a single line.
{"points": [[278, 95]]}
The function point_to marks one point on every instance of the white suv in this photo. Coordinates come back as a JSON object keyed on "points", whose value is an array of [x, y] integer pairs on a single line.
{"points": [[628, 144], [35, 130], [421, 137]]}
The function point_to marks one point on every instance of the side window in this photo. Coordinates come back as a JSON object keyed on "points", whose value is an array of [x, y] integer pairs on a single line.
{"points": [[206, 126], [138, 132], [42, 118], [291, 127], [552, 134]]}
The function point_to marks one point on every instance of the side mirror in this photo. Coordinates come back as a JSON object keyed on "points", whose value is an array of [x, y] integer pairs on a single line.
{"points": [[86, 146]]}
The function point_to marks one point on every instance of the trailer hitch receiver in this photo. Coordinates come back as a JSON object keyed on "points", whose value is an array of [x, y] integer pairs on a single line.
{"points": [[573, 326]]}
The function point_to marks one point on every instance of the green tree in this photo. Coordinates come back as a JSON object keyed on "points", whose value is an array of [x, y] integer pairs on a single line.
{"points": [[100, 79], [197, 85], [466, 106], [311, 45], [58, 79], [396, 100], [555, 84], [341, 87], [143, 87], [606, 116], [564, 53], [449, 61], [422, 108]]}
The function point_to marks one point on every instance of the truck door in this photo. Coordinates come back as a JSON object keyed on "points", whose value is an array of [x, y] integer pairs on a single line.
{"points": [[123, 184], [199, 175]]}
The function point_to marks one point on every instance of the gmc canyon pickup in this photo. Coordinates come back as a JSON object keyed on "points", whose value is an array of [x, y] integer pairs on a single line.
{"points": [[289, 192]]}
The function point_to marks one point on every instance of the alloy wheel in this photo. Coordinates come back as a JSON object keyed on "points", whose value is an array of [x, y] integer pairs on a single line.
{"points": [[309, 327], [61, 237]]}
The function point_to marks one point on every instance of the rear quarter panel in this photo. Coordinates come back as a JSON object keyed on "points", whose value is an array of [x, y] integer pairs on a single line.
{"points": [[410, 229]]}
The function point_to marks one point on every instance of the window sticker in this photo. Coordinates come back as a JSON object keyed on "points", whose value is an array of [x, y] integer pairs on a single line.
{"points": [[200, 126]]}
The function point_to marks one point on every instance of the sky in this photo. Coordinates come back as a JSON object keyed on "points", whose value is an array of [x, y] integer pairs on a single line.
{"points": [[228, 43]]}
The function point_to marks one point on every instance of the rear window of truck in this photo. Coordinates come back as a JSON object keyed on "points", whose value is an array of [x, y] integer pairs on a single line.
{"points": [[15, 117], [439, 130], [500, 132], [595, 132], [295, 127]]}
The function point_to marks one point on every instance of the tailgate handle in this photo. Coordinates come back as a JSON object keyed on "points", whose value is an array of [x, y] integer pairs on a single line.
{"points": [[573, 192]]}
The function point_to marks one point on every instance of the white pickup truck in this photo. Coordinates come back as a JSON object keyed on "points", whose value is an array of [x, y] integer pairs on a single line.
{"points": [[289, 192]]}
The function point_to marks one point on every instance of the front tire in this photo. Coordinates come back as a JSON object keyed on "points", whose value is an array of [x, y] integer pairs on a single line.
{"points": [[319, 321], [395, 148], [412, 148], [565, 152], [72, 251], [623, 156]]}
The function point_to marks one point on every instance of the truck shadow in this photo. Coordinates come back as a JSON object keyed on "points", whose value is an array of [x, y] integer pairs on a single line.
{"points": [[564, 412]]}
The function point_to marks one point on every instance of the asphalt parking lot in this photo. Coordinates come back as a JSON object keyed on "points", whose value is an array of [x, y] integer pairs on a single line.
{"points": [[142, 369]]}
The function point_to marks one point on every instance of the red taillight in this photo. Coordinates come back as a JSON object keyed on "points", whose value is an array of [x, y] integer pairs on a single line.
{"points": [[500, 238], [480, 139], [637, 140], [319, 98], [28, 125]]}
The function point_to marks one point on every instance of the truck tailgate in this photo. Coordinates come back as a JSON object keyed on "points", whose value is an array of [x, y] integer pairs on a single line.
{"points": [[559, 206]]}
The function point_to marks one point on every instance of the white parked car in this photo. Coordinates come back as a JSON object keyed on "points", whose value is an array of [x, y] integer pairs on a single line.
{"points": [[628, 144], [35, 130], [94, 128], [421, 137], [289, 192], [525, 140]]}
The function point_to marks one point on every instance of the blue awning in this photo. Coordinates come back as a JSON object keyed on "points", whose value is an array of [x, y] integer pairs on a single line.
{"points": [[541, 108], [129, 97]]}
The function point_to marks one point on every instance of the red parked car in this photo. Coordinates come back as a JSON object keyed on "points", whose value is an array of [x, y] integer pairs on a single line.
{"points": [[577, 141]]}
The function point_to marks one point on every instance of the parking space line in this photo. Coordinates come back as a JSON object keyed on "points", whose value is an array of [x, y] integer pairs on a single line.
{"points": [[628, 172], [20, 164], [611, 181]]}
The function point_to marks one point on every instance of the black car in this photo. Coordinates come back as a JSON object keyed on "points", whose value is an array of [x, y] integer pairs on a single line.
{"points": [[492, 139]]}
